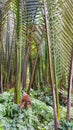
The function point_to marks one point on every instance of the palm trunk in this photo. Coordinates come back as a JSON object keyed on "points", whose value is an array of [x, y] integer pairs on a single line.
{"points": [[24, 70], [69, 90], [1, 86], [51, 70], [56, 86], [32, 76], [18, 52], [35, 63], [9, 54]]}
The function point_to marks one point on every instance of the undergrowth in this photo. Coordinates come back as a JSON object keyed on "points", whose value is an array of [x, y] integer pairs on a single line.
{"points": [[39, 117]]}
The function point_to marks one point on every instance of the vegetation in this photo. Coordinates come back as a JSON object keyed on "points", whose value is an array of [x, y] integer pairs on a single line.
{"points": [[39, 117], [36, 57]]}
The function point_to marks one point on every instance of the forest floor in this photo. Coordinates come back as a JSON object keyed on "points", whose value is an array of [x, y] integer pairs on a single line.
{"points": [[39, 117]]}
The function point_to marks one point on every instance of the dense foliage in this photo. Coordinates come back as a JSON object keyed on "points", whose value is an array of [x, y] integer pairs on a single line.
{"points": [[39, 117]]}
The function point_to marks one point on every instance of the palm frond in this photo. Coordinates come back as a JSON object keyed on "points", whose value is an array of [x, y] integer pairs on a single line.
{"points": [[60, 29]]}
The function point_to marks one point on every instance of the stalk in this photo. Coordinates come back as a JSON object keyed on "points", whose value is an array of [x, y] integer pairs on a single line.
{"points": [[51, 68]]}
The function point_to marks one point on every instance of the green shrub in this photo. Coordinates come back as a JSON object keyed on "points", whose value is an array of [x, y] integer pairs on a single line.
{"points": [[39, 117]]}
